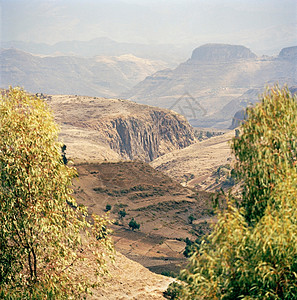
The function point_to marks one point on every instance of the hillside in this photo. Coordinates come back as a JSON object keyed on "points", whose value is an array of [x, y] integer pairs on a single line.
{"points": [[99, 75], [104, 46], [111, 129], [202, 87], [130, 280], [159, 204], [196, 165]]}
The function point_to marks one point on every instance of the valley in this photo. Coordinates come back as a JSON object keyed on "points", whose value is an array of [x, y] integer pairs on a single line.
{"points": [[154, 166], [118, 181], [159, 204], [111, 142]]}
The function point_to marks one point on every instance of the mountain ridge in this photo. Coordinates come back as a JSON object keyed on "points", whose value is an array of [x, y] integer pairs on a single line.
{"points": [[97, 76], [211, 84], [221, 52]]}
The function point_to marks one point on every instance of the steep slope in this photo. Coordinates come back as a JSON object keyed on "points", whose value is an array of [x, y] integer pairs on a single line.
{"points": [[196, 165], [159, 204], [130, 280], [216, 74], [100, 76], [113, 129]]}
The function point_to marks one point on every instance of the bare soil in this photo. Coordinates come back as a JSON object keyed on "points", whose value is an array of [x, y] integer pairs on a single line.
{"points": [[159, 204], [196, 165]]}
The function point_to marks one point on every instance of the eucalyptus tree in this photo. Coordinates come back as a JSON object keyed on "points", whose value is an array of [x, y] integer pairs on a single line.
{"points": [[44, 235]]}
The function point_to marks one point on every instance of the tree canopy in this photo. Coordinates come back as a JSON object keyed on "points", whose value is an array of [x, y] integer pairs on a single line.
{"points": [[41, 225], [252, 251]]}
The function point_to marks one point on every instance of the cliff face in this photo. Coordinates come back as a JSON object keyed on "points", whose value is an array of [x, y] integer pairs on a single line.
{"points": [[221, 52], [288, 53], [121, 129], [146, 136]]}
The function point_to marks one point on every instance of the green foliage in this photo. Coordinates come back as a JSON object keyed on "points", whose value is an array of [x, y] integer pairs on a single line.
{"points": [[133, 224], [191, 246], [122, 213], [266, 148], [191, 218], [41, 246], [108, 207], [252, 251], [174, 291]]}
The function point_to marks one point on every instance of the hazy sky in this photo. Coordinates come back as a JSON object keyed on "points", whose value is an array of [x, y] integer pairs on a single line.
{"points": [[262, 25]]}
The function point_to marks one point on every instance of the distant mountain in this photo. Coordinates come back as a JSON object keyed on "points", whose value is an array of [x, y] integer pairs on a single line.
{"points": [[97, 76], [209, 87], [221, 52], [104, 46], [239, 105]]}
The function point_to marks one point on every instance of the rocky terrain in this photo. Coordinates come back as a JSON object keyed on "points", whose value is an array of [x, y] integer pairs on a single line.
{"points": [[217, 80], [111, 129], [197, 165], [94, 76]]}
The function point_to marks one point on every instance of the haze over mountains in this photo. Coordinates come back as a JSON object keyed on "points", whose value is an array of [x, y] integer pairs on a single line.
{"points": [[168, 53], [98, 76], [208, 89], [215, 82]]}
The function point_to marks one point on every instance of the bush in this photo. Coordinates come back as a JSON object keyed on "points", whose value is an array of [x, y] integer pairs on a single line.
{"points": [[108, 207], [133, 224], [122, 213]]}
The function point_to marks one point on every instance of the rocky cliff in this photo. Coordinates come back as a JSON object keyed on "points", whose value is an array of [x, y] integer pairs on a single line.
{"points": [[113, 129], [221, 52], [288, 53]]}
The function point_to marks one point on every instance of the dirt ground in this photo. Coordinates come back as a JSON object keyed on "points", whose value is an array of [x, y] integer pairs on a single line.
{"points": [[160, 205]]}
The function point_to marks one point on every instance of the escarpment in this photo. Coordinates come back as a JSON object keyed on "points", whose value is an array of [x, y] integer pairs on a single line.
{"points": [[114, 129]]}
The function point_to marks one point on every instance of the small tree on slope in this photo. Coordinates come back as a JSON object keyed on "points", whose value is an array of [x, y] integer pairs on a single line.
{"points": [[252, 252], [41, 245]]}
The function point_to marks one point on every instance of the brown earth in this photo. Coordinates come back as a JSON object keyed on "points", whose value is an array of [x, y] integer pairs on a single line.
{"points": [[112, 129], [196, 165], [160, 205], [130, 280]]}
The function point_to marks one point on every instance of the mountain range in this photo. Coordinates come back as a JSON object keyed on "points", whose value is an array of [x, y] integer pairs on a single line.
{"points": [[215, 82], [168, 53], [104, 76]]}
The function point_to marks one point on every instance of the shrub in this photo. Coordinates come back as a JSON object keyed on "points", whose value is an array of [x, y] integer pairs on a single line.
{"points": [[122, 213], [133, 224], [108, 207]]}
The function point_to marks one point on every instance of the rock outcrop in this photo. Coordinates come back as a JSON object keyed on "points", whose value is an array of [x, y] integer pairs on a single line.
{"points": [[221, 52], [288, 53], [114, 129]]}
